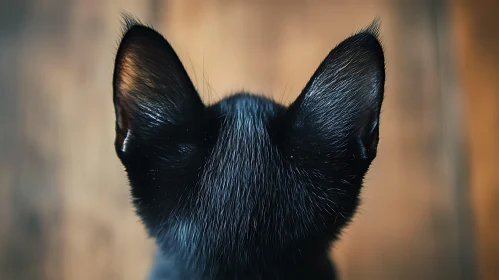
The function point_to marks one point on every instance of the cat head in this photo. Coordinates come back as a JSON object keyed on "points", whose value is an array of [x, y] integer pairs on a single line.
{"points": [[245, 178]]}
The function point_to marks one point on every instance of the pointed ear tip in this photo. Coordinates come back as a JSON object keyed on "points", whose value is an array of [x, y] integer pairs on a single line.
{"points": [[132, 27], [135, 33], [370, 36], [374, 28], [130, 22], [368, 39]]}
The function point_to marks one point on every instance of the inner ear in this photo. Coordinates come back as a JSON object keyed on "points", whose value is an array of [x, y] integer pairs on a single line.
{"points": [[368, 139], [122, 127]]}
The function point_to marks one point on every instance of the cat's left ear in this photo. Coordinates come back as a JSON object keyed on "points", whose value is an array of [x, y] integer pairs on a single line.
{"points": [[152, 90], [340, 106]]}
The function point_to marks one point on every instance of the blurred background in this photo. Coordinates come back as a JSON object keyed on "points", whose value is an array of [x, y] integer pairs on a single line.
{"points": [[431, 200]]}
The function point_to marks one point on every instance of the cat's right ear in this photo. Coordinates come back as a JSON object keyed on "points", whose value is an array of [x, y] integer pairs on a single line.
{"points": [[338, 111], [151, 88]]}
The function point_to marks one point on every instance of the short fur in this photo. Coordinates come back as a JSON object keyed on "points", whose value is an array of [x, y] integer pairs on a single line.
{"points": [[245, 188]]}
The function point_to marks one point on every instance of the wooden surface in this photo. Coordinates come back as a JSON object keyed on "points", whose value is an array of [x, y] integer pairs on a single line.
{"points": [[64, 204], [477, 37]]}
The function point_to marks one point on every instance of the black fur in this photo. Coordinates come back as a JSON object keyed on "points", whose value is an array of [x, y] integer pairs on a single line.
{"points": [[245, 188]]}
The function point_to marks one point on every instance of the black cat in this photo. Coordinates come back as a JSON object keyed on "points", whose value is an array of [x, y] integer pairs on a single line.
{"points": [[245, 188]]}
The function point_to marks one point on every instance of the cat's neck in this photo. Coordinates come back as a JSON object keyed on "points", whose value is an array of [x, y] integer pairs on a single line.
{"points": [[306, 266]]}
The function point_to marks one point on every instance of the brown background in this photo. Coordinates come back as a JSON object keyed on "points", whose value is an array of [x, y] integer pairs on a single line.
{"points": [[429, 208]]}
